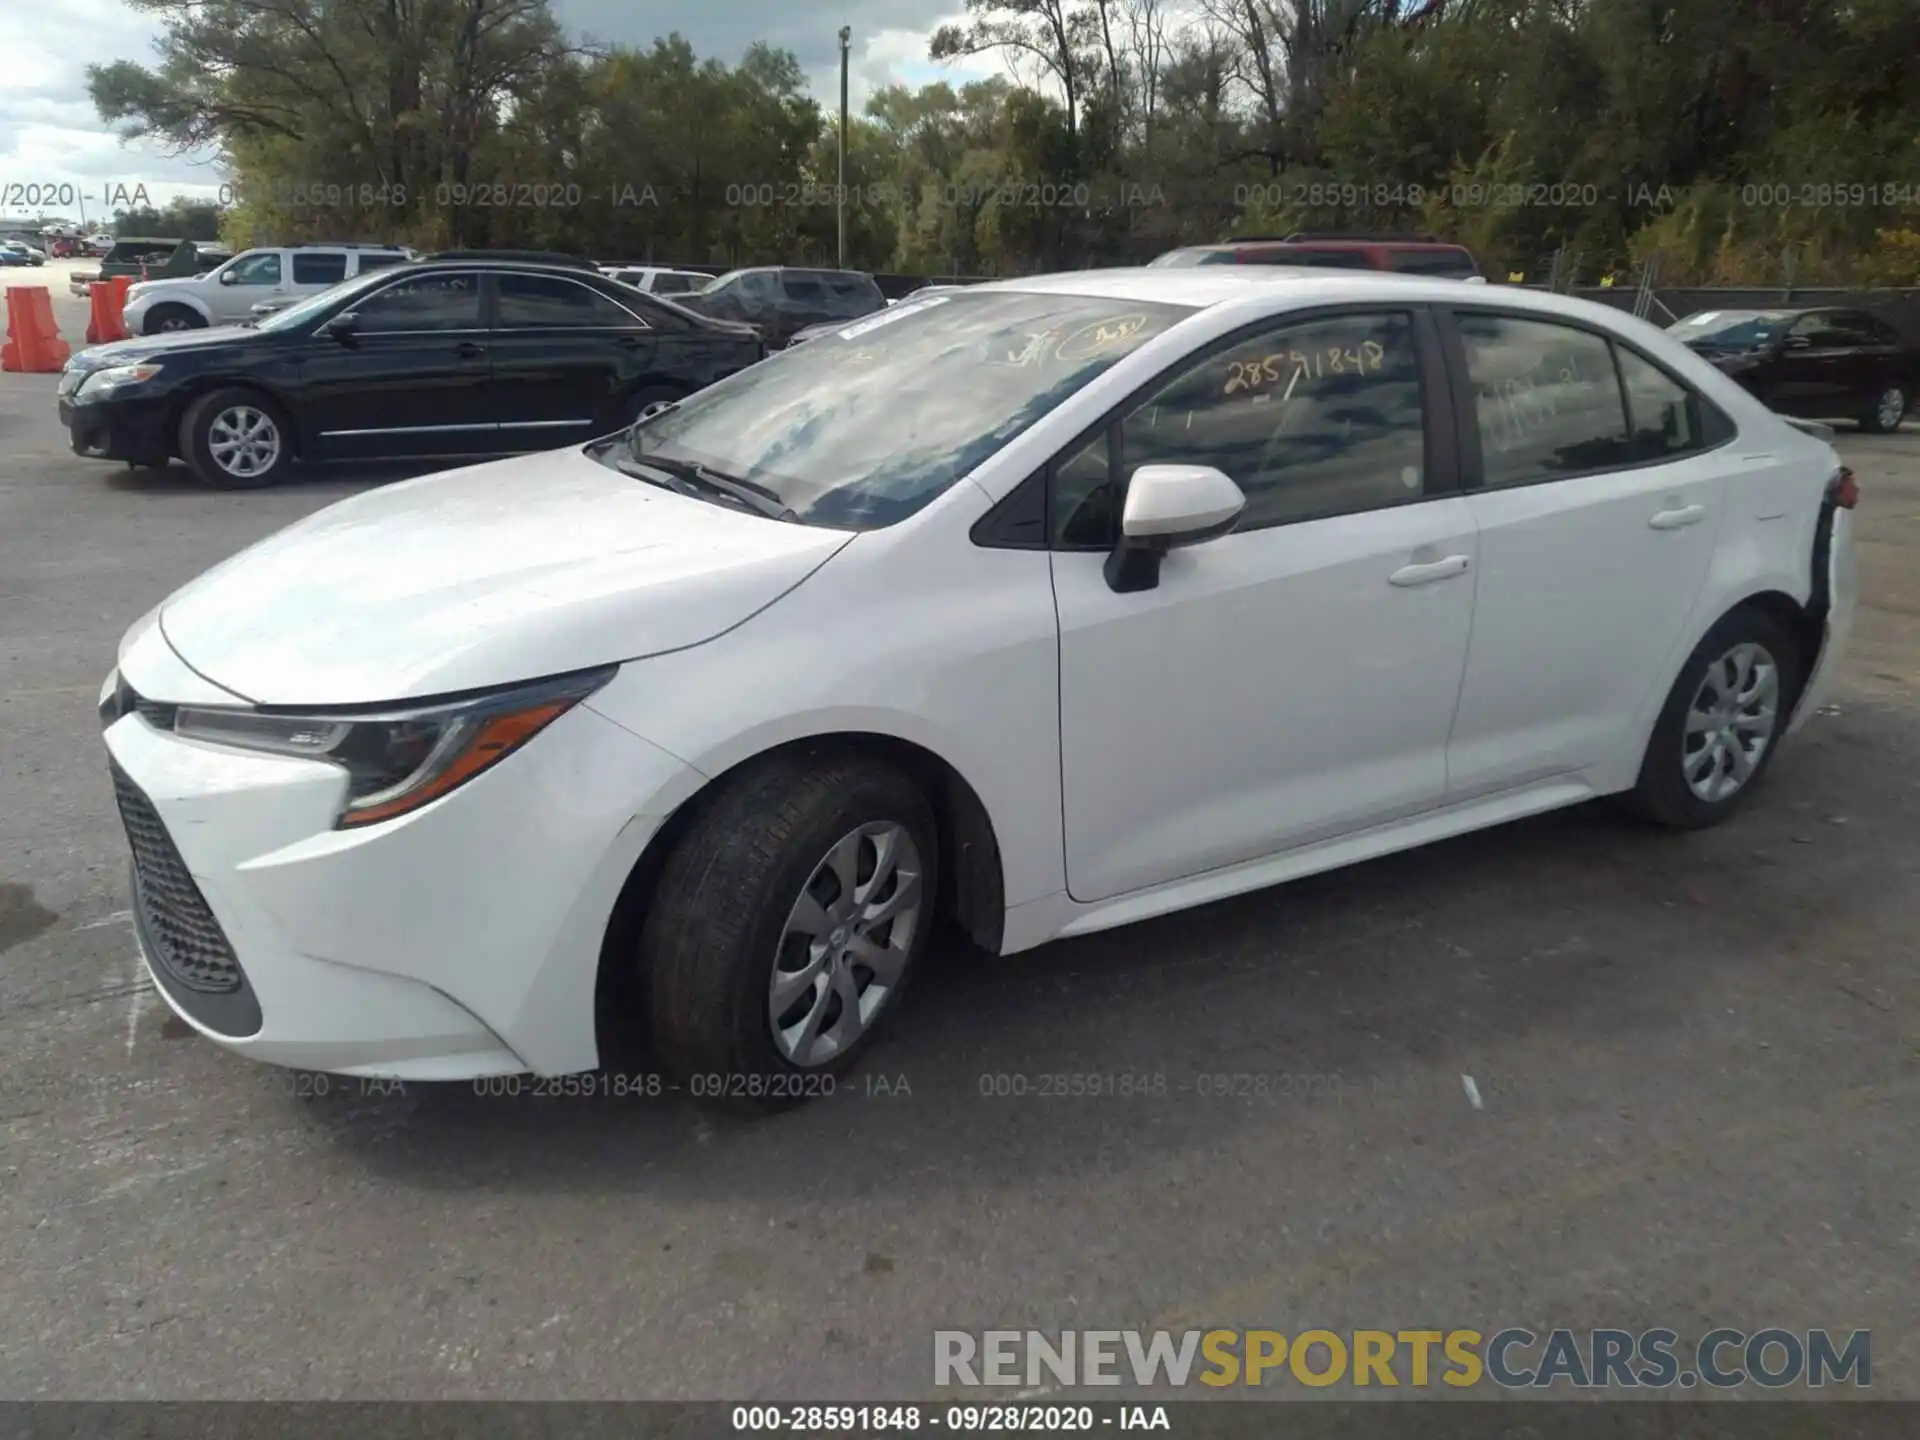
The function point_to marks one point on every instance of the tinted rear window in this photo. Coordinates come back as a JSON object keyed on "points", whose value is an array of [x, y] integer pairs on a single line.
{"points": [[1317, 259], [1457, 264]]}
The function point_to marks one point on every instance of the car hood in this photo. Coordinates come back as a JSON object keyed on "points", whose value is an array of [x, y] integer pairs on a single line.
{"points": [[150, 347], [142, 288], [512, 570]]}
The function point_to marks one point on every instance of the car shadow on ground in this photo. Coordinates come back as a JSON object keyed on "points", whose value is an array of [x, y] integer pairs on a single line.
{"points": [[1379, 985], [347, 476]]}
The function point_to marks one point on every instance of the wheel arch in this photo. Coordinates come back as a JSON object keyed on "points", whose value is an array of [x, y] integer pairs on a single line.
{"points": [[972, 881], [192, 389]]}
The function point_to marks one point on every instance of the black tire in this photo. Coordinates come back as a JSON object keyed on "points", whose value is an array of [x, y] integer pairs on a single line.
{"points": [[196, 439], [164, 319], [1663, 794], [648, 397], [1871, 421], [718, 919]]}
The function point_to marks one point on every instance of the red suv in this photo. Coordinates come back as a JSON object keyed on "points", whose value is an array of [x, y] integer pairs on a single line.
{"points": [[1407, 254]]}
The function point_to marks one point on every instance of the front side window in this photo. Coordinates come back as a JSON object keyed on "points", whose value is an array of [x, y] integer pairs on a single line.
{"points": [[261, 269], [425, 302], [862, 426], [319, 269], [543, 302], [1547, 399], [1311, 420]]}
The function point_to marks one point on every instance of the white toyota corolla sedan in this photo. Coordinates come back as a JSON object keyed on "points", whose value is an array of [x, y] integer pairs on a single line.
{"points": [[1038, 607]]}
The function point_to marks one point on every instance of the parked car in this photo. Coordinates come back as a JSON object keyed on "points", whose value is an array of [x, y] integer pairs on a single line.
{"points": [[778, 300], [101, 243], [1405, 254], [143, 258], [431, 358], [228, 295], [1823, 363], [657, 280], [1051, 606], [64, 247], [15, 252]]}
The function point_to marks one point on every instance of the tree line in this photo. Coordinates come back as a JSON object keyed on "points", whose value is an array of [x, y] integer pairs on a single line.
{"points": [[1734, 141]]}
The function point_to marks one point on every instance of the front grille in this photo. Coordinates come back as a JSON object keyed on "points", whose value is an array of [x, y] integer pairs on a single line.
{"points": [[185, 939]]}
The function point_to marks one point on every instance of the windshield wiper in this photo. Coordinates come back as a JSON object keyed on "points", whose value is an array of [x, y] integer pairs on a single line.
{"points": [[691, 479]]}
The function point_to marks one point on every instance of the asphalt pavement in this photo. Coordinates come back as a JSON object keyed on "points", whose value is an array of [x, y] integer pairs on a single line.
{"points": [[1696, 1060]]}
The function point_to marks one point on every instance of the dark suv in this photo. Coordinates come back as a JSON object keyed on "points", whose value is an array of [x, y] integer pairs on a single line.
{"points": [[778, 300], [1406, 254]]}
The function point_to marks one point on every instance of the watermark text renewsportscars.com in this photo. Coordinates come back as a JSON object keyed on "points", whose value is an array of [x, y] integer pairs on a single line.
{"points": [[1513, 1358]]}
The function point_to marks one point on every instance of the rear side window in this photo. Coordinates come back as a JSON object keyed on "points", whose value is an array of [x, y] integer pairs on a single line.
{"points": [[676, 284], [379, 260], [1318, 259], [544, 302], [1547, 399], [1447, 264], [804, 288], [1662, 410], [318, 269]]}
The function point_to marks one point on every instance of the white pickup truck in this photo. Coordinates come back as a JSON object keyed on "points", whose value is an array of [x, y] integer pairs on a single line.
{"points": [[266, 277]]}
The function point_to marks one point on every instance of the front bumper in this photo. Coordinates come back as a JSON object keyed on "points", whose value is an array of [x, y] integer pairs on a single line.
{"points": [[460, 941], [133, 429]]}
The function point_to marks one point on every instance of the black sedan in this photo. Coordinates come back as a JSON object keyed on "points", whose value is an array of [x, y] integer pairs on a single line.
{"points": [[438, 358], [1823, 364]]}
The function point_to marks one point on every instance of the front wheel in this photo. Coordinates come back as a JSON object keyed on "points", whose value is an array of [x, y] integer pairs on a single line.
{"points": [[786, 924], [1721, 724], [236, 439], [1889, 409], [170, 319]]}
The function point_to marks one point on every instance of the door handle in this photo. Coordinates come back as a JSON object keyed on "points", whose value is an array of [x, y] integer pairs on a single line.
{"points": [[1427, 573], [469, 349], [1675, 519], [628, 342]]}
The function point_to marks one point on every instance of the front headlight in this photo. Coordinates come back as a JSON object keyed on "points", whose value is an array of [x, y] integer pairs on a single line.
{"points": [[398, 760], [115, 376]]}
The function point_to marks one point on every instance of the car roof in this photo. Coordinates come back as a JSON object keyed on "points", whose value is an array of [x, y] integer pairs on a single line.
{"points": [[1294, 285]]}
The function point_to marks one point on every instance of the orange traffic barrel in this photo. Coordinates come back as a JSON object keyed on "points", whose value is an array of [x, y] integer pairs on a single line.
{"points": [[33, 342], [109, 318]]}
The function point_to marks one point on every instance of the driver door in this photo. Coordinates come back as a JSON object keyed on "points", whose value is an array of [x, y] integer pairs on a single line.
{"points": [[244, 283], [1296, 679]]}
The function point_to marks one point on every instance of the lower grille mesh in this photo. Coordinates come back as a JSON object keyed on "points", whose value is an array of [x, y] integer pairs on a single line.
{"points": [[186, 940]]}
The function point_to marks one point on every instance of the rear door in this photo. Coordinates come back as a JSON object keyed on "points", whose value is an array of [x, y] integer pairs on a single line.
{"points": [[805, 301], [411, 379], [1595, 537], [565, 357], [312, 271]]}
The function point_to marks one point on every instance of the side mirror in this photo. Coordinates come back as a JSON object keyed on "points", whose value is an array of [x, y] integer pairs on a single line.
{"points": [[1169, 506], [342, 327], [227, 277]]}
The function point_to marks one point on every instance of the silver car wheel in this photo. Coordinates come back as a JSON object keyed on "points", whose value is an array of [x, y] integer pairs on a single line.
{"points": [[1892, 407], [1731, 722], [845, 944], [243, 441]]}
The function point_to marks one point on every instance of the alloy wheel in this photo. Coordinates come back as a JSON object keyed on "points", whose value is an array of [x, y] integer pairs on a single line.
{"points": [[1731, 722], [845, 944], [244, 441], [172, 323], [1892, 407]]}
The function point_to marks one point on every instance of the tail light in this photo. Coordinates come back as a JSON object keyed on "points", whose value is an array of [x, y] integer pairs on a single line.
{"points": [[1843, 490]]}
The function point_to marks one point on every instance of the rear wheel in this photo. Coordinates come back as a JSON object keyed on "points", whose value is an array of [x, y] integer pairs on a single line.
{"points": [[785, 925], [166, 319], [1721, 724], [1889, 409], [236, 439]]}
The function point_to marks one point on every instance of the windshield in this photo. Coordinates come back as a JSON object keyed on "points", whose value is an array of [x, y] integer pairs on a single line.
{"points": [[299, 314], [1730, 329], [862, 426]]}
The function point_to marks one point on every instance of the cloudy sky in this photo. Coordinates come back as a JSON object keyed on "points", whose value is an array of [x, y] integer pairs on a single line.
{"points": [[51, 137]]}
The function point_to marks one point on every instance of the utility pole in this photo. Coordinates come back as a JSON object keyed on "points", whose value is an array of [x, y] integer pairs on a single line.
{"points": [[840, 192]]}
